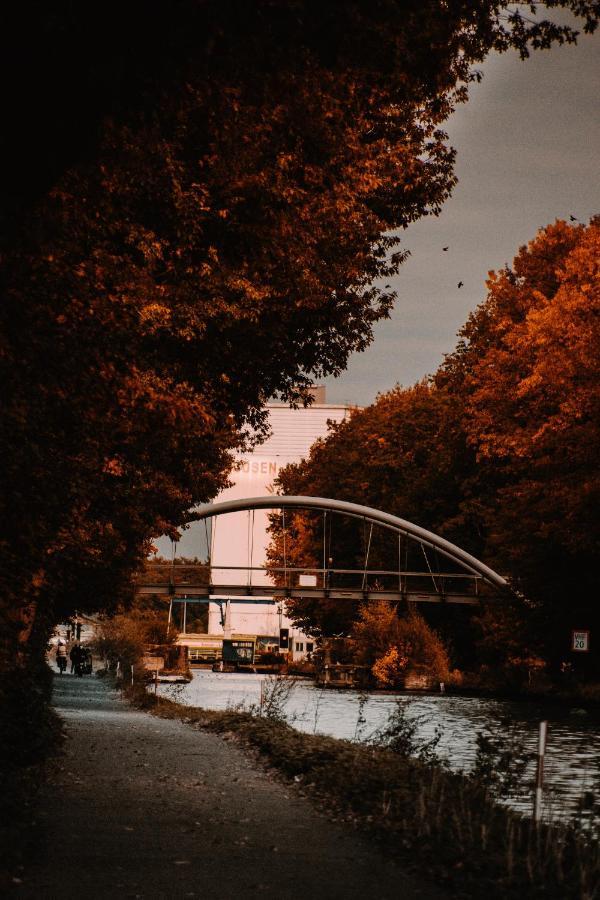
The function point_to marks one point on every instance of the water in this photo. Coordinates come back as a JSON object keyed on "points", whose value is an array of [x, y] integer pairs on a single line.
{"points": [[572, 764]]}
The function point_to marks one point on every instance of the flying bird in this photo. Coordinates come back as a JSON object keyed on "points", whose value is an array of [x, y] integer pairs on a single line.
{"points": [[460, 284], [574, 218], [445, 248]]}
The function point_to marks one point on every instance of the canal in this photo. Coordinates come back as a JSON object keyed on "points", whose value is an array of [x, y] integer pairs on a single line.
{"points": [[572, 766]]}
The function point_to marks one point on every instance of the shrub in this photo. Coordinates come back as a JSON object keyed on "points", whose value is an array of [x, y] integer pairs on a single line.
{"points": [[393, 646], [125, 637]]}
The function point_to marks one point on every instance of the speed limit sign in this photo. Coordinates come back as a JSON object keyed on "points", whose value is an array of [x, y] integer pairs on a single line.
{"points": [[580, 641]]}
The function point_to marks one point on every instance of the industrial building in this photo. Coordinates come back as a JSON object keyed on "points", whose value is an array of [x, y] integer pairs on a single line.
{"points": [[240, 540]]}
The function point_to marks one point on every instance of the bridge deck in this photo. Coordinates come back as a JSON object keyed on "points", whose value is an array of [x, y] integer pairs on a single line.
{"points": [[205, 592]]}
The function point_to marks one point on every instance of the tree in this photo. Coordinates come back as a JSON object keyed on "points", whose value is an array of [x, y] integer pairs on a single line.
{"points": [[203, 233], [71, 68], [393, 645], [129, 634], [499, 453], [399, 454], [509, 645], [405, 454], [533, 416]]}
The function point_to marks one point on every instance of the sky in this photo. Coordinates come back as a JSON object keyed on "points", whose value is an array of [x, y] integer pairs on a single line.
{"points": [[528, 152]]}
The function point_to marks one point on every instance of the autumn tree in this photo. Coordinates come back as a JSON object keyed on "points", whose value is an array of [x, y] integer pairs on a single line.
{"points": [[533, 417], [393, 645], [499, 453], [70, 67], [405, 454], [199, 205]]}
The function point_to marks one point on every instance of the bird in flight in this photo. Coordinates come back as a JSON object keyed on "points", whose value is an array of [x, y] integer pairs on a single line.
{"points": [[460, 284], [445, 248], [573, 218]]}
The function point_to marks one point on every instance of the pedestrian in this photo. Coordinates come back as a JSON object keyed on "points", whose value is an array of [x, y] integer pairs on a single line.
{"points": [[61, 656], [75, 656]]}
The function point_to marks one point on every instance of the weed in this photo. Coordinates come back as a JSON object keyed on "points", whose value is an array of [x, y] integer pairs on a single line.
{"points": [[316, 712], [502, 761], [421, 812], [586, 818], [400, 734], [31, 732], [361, 719], [177, 692], [275, 694]]}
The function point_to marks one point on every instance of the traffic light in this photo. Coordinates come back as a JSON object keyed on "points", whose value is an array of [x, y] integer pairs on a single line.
{"points": [[284, 638]]}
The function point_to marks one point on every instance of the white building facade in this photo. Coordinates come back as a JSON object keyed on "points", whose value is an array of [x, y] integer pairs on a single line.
{"points": [[240, 540]]}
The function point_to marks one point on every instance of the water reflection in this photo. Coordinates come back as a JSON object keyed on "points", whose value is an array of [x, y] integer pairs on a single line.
{"points": [[572, 756]]}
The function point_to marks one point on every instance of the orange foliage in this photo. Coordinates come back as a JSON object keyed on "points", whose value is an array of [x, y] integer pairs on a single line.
{"points": [[389, 669], [392, 645], [500, 452], [534, 394]]}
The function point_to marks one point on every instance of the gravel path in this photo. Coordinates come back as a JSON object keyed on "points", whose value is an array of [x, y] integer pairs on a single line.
{"points": [[145, 807]]}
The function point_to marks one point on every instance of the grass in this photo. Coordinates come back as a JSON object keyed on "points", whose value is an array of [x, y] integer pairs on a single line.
{"points": [[429, 818]]}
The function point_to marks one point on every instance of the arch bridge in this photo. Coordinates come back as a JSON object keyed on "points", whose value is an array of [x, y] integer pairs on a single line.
{"points": [[463, 579]]}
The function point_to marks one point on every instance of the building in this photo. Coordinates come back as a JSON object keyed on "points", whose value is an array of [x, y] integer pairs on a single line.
{"points": [[239, 540]]}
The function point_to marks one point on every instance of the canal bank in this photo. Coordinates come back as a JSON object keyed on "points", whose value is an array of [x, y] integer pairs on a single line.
{"points": [[423, 815], [139, 806], [572, 766]]}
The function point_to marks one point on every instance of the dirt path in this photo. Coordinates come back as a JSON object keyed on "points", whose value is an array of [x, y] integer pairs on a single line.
{"points": [[146, 807]]}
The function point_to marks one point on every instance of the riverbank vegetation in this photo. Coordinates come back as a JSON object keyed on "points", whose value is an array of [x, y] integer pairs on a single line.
{"points": [[391, 647], [428, 818], [128, 635], [498, 452]]}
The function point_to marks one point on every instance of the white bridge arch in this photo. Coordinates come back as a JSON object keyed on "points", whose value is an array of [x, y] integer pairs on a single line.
{"points": [[473, 570], [185, 584]]}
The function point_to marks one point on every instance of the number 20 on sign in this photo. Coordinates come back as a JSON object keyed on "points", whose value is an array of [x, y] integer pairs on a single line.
{"points": [[580, 641]]}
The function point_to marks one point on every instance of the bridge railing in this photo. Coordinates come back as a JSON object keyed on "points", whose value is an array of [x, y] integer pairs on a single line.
{"points": [[310, 581]]}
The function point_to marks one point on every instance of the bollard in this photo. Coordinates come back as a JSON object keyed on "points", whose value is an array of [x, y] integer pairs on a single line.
{"points": [[442, 687], [539, 779]]}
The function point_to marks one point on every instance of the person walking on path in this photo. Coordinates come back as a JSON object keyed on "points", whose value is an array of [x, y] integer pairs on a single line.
{"points": [[61, 656], [75, 656]]}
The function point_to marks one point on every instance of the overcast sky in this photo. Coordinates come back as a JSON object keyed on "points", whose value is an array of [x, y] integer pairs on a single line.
{"points": [[528, 153]]}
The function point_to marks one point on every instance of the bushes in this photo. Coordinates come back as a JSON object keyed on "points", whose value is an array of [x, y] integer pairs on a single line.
{"points": [[126, 636], [29, 726], [394, 647]]}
